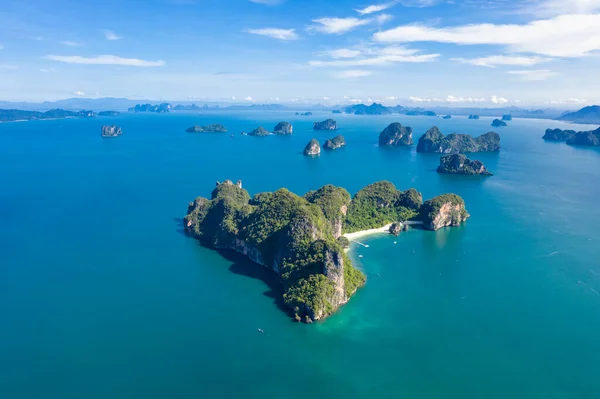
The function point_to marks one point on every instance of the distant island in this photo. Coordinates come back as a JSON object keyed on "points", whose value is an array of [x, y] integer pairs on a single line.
{"points": [[12, 115], [304, 113], [589, 138], [433, 141], [506, 118], [109, 113], [215, 128], [259, 132], [192, 107], [420, 113], [395, 135], [328, 124], [498, 123], [111, 131], [160, 108], [283, 128], [473, 116], [459, 164], [300, 238], [312, 148], [586, 115], [447, 117], [373, 109], [335, 143], [336, 111]]}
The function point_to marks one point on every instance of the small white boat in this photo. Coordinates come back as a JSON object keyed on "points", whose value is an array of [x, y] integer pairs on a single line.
{"points": [[360, 256], [260, 330], [395, 242]]}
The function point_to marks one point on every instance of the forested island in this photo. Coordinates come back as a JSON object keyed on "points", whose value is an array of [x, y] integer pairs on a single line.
{"points": [[328, 124], [214, 128], [459, 164], [589, 138], [434, 141], [590, 115], [160, 108], [395, 135], [12, 115], [300, 237], [335, 143], [498, 123]]}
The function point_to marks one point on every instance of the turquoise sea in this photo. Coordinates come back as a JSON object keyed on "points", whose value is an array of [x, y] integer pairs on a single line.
{"points": [[102, 295]]}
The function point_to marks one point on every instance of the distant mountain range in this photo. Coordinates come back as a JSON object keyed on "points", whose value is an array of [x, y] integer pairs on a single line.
{"points": [[11, 115], [589, 115]]}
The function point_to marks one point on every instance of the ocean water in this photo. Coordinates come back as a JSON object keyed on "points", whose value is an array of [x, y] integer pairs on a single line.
{"points": [[102, 295]]}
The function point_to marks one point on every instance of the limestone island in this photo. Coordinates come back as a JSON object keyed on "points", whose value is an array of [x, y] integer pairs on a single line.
{"points": [[447, 117], [507, 118], [259, 132], [459, 164], [328, 124], [395, 135], [473, 116], [589, 138], [111, 131], [304, 113], [298, 238], [433, 141], [109, 113], [335, 143], [312, 148], [215, 128], [283, 128], [498, 123]]}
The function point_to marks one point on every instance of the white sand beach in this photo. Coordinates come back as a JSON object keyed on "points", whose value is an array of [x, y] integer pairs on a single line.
{"points": [[363, 233]]}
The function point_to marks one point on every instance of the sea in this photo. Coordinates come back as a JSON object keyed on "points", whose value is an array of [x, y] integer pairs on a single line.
{"points": [[103, 296]]}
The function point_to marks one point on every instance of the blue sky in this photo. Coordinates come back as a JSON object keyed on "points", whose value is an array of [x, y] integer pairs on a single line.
{"points": [[412, 52]]}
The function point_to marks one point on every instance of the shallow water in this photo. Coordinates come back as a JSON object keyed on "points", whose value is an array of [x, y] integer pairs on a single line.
{"points": [[101, 295]]}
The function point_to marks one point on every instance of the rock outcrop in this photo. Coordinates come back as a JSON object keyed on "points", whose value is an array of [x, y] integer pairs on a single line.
{"points": [[443, 211], [586, 138], [507, 118], [459, 164], [304, 113], [312, 148], [473, 116], [215, 128], [396, 135], [335, 143], [328, 124], [109, 113], [433, 141], [111, 131], [259, 132], [283, 128], [160, 108], [447, 117], [498, 123], [397, 228]]}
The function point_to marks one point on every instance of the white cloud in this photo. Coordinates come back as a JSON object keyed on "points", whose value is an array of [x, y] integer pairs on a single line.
{"points": [[326, 98], [248, 98], [568, 101], [562, 36], [353, 74], [449, 99], [383, 18], [493, 61], [534, 74], [110, 35], [233, 98], [275, 33], [79, 93], [420, 3], [498, 100], [104, 60], [382, 56], [47, 70], [353, 100], [547, 8], [338, 25], [70, 43], [374, 8], [342, 53]]}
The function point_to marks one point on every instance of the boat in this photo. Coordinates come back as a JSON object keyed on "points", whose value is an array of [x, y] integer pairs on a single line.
{"points": [[360, 256], [260, 330]]}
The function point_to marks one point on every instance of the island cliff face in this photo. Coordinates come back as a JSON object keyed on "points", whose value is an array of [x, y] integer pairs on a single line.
{"points": [[300, 238], [328, 124], [433, 141], [498, 123], [312, 148], [283, 128], [335, 143], [459, 164], [588, 138], [259, 132], [444, 211], [396, 135], [111, 131]]}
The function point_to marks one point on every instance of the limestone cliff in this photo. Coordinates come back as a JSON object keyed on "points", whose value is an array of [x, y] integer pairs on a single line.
{"points": [[283, 128], [443, 211], [312, 148], [459, 164], [396, 135], [111, 131]]}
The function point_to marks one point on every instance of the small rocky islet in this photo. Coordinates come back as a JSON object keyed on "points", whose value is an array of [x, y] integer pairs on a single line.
{"points": [[434, 141], [214, 128], [304, 245], [283, 128], [259, 132], [333, 144], [589, 138], [111, 131], [474, 117], [328, 124], [498, 123], [312, 148], [396, 135], [459, 164]]}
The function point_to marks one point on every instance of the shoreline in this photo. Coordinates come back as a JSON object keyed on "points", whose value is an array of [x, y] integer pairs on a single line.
{"points": [[364, 233]]}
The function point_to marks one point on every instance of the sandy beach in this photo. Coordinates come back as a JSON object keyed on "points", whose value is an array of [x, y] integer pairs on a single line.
{"points": [[363, 233]]}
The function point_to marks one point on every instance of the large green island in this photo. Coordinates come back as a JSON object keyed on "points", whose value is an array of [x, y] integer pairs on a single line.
{"points": [[301, 238]]}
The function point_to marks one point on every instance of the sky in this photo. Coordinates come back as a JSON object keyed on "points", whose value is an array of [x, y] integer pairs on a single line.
{"points": [[409, 52]]}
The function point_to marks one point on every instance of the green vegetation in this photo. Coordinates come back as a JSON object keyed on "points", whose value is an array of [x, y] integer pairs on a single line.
{"points": [[379, 204], [431, 209], [215, 128]]}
